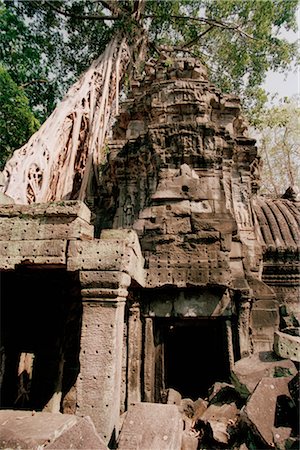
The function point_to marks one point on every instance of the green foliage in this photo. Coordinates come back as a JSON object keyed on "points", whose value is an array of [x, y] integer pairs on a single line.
{"points": [[243, 43], [45, 45], [278, 133], [238, 40], [17, 122], [23, 54]]}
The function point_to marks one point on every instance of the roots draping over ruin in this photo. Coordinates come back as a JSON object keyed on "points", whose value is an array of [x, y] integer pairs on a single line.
{"points": [[57, 161]]}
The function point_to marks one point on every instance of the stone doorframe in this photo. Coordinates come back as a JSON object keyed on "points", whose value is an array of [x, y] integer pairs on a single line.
{"points": [[144, 355]]}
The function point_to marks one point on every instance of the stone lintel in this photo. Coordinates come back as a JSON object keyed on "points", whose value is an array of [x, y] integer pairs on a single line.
{"points": [[182, 277], [63, 209], [43, 252]]}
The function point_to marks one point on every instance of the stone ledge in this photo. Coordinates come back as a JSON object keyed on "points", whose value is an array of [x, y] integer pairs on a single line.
{"points": [[68, 208], [38, 228]]}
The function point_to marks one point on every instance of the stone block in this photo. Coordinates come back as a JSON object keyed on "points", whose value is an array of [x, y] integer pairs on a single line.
{"points": [[259, 412], [62, 209], [248, 372], [281, 436], [221, 393], [187, 408], [135, 129], [265, 313], [82, 435], [294, 389], [179, 276], [203, 206], [200, 406], [290, 313], [178, 225], [154, 228], [287, 346], [158, 277], [173, 397], [189, 441], [182, 208], [219, 419], [151, 426], [236, 250], [221, 277], [32, 430], [97, 279], [16, 228], [32, 252], [119, 255], [198, 277]]}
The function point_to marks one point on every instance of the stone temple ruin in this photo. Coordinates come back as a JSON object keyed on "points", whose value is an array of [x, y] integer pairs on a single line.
{"points": [[177, 273]]}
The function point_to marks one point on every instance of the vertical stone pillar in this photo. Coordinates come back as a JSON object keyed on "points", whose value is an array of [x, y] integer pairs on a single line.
{"points": [[99, 381], [134, 355], [244, 326], [229, 343], [149, 361]]}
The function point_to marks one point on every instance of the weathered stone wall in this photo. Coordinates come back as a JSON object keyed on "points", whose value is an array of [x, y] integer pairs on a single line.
{"points": [[181, 172]]}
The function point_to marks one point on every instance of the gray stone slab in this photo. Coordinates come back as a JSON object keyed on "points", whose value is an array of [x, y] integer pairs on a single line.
{"points": [[259, 412], [30, 429], [37, 430], [151, 426], [82, 435], [248, 372]]}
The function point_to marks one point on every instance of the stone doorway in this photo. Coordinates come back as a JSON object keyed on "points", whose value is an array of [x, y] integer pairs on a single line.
{"points": [[195, 354], [40, 334]]}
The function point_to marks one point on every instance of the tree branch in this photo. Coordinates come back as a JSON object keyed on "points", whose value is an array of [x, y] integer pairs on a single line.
{"points": [[193, 41], [80, 16], [24, 85], [215, 23]]}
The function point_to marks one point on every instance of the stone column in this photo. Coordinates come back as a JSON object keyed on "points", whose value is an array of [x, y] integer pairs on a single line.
{"points": [[244, 326], [229, 343], [134, 354], [99, 381], [149, 361]]}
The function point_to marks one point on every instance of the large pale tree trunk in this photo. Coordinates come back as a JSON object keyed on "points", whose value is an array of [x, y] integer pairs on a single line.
{"points": [[59, 158]]}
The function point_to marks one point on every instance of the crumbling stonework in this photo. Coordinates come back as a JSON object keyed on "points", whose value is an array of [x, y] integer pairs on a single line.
{"points": [[182, 265]]}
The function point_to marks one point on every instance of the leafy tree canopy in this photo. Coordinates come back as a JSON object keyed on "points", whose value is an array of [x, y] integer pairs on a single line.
{"points": [[45, 45], [17, 122], [239, 40], [278, 134]]}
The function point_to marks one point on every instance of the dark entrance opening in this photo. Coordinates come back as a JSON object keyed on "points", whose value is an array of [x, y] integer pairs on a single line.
{"points": [[40, 335], [196, 355]]}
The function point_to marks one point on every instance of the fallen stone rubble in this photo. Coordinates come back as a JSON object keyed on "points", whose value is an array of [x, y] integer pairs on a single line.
{"points": [[259, 410], [43, 430]]}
